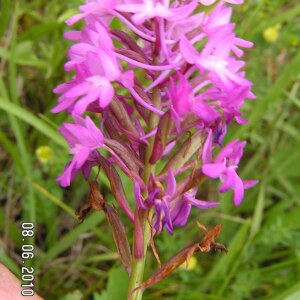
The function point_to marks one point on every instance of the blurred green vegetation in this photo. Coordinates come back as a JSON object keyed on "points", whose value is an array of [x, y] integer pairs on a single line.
{"points": [[80, 261]]}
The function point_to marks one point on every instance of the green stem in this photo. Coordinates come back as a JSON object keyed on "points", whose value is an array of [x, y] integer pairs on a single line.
{"points": [[138, 266], [137, 273]]}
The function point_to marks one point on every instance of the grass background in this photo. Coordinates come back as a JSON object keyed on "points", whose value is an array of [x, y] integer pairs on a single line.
{"points": [[80, 261]]}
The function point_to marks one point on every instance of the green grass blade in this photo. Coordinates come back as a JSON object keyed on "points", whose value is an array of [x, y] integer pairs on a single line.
{"points": [[69, 239], [293, 293], [34, 121], [258, 212], [54, 199], [10, 264]]}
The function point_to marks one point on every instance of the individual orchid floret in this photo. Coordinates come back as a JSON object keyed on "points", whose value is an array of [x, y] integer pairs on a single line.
{"points": [[184, 102], [84, 138], [215, 64], [225, 166], [96, 69], [182, 207], [170, 208]]}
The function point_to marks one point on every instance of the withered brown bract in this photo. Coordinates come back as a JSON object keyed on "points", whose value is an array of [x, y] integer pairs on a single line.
{"points": [[96, 201], [206, 244]]}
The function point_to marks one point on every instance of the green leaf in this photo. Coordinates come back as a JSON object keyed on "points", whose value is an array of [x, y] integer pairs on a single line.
{"points": [[54, 199], [6, 7], [102, 296], [117, 284], [258, 213], [76, 295], [38, 31], [293, 293]]}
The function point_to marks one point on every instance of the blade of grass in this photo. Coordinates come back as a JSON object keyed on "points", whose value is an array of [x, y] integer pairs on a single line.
{"points": [[10, 264], [4, 15], [258, 212], [69, 239], [11, 149], [32, 120], [38, 31], [29, 204], [54, 199], [280, 265], [293, 293]]}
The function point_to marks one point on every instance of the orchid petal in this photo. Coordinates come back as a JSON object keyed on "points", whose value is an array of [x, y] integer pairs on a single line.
{"points": [[207, 149], [213, 170], [238, 189], [138, 196], [249, 183], [171, 183]]}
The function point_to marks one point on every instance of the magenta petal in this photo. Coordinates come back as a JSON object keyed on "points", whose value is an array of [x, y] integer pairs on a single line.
{"points": [[106, 94], [238, 188], [181, 95], [227, 180], [249, 183], [66, 177], [207, 149], [240, 120], [64, 104], [80, 157], [180, 216], [127, 79], [213, 170], [68, 135], [94, 132], [166, 221], [62, 88], [202, 204], [73, 35], [87, 167], [171, 183], [158, 212], [187, 50], [227, 151], [145, 104], [82, 104], [74, 19], [138, 196], [78, 90], [205, 112]]}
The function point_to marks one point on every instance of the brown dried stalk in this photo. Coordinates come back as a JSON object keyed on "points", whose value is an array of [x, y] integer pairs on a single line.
{"points": [[207, 244]]}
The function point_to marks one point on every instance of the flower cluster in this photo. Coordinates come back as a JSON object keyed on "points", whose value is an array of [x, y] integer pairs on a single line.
{"points": [[162, 92]]}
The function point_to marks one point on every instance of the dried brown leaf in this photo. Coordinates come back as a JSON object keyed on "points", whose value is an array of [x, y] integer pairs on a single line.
{"points": [[206, 244]]}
